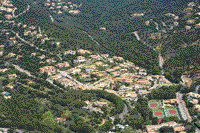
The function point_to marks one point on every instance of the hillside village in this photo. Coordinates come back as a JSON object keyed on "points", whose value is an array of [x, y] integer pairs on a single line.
{"points": [[47, 73], [59, 7]]}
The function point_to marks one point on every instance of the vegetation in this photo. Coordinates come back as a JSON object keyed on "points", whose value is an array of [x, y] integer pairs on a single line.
{"points": [[186, 57], [119, 104], [166, 130], [164, 92]]}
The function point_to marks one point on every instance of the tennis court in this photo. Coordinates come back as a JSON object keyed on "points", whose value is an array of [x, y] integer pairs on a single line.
{"points": [[154, 104], [172, 112], [159, 113]]}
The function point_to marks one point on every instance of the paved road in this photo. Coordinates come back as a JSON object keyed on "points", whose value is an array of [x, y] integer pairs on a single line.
{"points": [[155, 85], [185, 114], [137, 36], [39, 30], [29, 74], [13, 12], [63, 73], [52, 19], [91, 37], [161, 62], [125, 111], [31, 44], [27, 9], [197, 88]]}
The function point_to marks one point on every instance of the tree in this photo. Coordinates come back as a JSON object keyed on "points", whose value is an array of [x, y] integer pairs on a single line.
{"points": [[172, 118], [116, 86], [166, 129], [27, 113], [156, 70], [135, 121], [106, 126], [154, 120], [44, 75], [79, 104], [49, 120], [117, 121]]}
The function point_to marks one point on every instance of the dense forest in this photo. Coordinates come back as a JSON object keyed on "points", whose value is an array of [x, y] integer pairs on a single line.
{"points": [[74, 37], [186, 57]]}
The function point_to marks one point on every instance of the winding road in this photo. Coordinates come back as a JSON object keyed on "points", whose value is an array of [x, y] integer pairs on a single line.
{"points": [[28, 73], [184, 112], [13, 13], [31, 44]]}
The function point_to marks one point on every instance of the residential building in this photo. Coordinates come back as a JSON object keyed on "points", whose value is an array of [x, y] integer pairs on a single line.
{"points": [[142, 72], [188, 27], [112, 91], [33, 54], [64, 64], [97, 57], [39, 35], [12, 76], [105, 55], [3, 70], [191, 21], [10, 86], [60, 119], [124, 80], [11, 55], [57, 76], [1, 53], [98, 103], [192, 94], [84, 76], [171, 101], [143, 82], [4, 130], [110, 60], [70, 52], [197, 106], [80, 59], [98, 63], [42, 56], [74, 70], [8, 16], [144, 92], [155, 128], [82, 51], [197, 25], [194, 101], [48, 69]]}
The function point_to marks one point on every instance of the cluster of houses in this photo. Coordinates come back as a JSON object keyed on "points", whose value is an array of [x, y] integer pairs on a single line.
{"points": [[194, 99], [91, 105], [7, 6], [136, 80], [137, 14], [1, 49], [6, 95], [178, 127], [59, 6], [192, 10], [48, 69]]}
